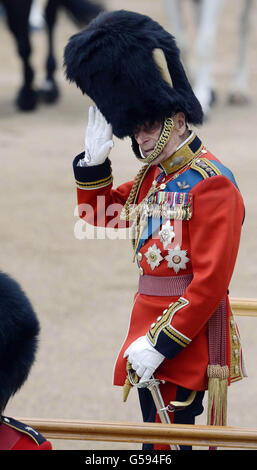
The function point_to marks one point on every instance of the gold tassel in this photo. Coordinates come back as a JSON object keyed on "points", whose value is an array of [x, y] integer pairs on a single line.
{"points": [[127, 384], [217, 395], [126, 389], [224, 393]]}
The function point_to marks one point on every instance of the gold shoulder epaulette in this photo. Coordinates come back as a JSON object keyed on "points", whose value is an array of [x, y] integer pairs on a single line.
{"points": [[205, 167]]}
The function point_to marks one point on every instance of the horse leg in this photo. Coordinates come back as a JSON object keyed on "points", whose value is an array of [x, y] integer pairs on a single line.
{"points": [[81, 11], [238, 93], [49, 92], [205, 52], [176, 26], [36, 19], [17, 14]]}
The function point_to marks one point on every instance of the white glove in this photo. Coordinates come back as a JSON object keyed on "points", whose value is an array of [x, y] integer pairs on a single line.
{"points": [[98, 139], [143, 358]]}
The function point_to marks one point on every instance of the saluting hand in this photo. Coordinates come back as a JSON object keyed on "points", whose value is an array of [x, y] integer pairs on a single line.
{"points": [[98, 138]]}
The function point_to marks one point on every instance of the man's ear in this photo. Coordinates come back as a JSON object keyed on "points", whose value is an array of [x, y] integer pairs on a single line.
{"points": [[180, 125]]}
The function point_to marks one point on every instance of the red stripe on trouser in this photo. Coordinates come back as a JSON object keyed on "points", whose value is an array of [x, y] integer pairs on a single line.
{"points": [[170, 392]]}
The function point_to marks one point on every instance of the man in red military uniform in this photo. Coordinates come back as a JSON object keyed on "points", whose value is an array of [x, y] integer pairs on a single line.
{"points": [[15, 435], [184, 206], [19, 330]]}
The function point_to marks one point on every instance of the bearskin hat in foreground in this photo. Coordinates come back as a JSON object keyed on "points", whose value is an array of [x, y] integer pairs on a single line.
{"points": [[113, 62], [19, 330]]}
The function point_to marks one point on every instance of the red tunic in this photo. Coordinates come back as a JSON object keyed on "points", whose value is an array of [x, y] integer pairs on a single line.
{"points": [[203, 249]]}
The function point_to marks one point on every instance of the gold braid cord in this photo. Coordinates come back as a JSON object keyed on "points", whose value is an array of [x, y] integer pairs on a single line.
{"points": [[162, 141], [134, 192], [128, 210]]}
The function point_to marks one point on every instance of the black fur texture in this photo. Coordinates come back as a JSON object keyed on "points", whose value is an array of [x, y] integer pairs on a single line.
{"points": [[19, 330], [112, 62]]}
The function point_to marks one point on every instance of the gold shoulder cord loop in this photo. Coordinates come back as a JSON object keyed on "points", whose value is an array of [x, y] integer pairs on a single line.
{"points": [[134, 191], [128, 211]]}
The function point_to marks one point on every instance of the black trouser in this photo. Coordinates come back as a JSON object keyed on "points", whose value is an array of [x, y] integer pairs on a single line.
{"points": [[170, 392]]}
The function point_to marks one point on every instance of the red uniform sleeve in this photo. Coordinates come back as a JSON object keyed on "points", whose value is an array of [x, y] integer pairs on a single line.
{"points": [[214, 231], [98, 203]]}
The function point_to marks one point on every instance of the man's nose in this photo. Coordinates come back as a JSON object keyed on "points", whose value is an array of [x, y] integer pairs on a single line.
{"points": [[142, 137]]}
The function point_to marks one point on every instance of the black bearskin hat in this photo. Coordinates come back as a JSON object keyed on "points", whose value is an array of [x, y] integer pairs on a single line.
{"points": [[19, 329], [113, 61]]}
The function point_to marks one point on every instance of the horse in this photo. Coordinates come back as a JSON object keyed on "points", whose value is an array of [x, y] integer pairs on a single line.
{"points": [[17, 14], [207, 16]]}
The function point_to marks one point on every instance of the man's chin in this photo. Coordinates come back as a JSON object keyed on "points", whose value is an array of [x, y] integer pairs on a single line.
{"points": [[146, 153], [159, 159]]}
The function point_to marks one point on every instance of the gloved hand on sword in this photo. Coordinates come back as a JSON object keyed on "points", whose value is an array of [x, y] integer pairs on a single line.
{"points": [[143, 358]]}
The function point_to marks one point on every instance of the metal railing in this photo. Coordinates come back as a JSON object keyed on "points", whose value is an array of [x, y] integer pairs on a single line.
{"points": [[197, 435]]}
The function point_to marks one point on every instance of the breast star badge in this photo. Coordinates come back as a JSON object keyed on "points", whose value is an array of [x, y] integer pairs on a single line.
{"points": [[154, 257], [177, 259], [166, 234]]}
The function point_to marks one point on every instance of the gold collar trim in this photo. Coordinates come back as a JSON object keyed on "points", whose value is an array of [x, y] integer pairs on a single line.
{"points": [[183, 155]]}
